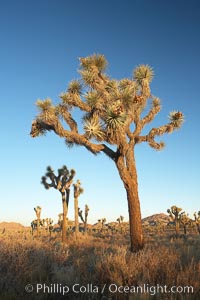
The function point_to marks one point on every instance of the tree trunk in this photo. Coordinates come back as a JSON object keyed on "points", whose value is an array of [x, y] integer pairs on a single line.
{"points": [[127, 170], [135, 220], [177, 227], [85, 226], [86, 217], [198, 228], [64, 221], [76, 215], [38, 225]]}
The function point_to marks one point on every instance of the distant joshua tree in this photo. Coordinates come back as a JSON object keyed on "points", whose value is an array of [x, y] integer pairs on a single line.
{"points": [[114, 116], [38, 210], [120, 219], [175, 215], [197, 220], [120, 222], [102, 221], [62, 182], [77, 192], [185, 221], [49, 225], [84, 219]]}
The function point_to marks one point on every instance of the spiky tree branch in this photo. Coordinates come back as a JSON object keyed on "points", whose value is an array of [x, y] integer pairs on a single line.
{"points": [[111, 107]]}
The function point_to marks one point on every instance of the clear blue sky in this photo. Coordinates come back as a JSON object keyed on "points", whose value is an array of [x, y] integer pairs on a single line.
{"points": [[40, 45]]}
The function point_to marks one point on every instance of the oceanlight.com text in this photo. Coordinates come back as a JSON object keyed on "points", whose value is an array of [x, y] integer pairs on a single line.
{"points": [[112, 288]]}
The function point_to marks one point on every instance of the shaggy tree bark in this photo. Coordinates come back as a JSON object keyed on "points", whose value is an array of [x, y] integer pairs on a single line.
{"points": [[127, 170], [65, 203]]}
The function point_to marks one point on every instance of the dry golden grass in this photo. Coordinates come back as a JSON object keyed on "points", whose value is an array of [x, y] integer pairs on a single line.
{"points": [[98, 259]]}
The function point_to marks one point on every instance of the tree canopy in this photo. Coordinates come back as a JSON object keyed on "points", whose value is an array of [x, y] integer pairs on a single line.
{"points": [[113, 110]]}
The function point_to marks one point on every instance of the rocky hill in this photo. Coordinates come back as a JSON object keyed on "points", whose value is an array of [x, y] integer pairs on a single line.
{"points": [[162, 218], [11, 226]]}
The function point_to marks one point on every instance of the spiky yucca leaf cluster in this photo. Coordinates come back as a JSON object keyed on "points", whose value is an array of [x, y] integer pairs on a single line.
{"points": [[74, 87], [114, 120], [88, 77], [77, 188], [44, 182], [44, 105], [125, 83], [143, 72], [63, 171], [156, 101], [128, 89], [93, 128], [112, 86], [38, 208], [96, 60], [92, 98], [49, 171], [47, 110], [176, 118]]}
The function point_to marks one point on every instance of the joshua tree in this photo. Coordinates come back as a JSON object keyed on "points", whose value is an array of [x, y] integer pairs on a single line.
{"points": [[84, 220], [62, 183], [113, 114], [49, 225], [77, 191], [185, 221], [38, 210], [197, 220], [120, 219], [175, 215], [102, 222]]}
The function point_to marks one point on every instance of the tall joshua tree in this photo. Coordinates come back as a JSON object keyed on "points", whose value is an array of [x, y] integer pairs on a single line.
{"points": [[114, 113], [38, 210], [77, 191], [62, 182]]}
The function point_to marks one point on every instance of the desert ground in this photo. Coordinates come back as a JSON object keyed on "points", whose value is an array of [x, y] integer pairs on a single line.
{"points": [[98, 264]]}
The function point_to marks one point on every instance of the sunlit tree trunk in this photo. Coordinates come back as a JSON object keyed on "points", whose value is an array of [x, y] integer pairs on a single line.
{"points": [[76, 215], [65, 202], [136, 233], [177, 227], [127, 170]]}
